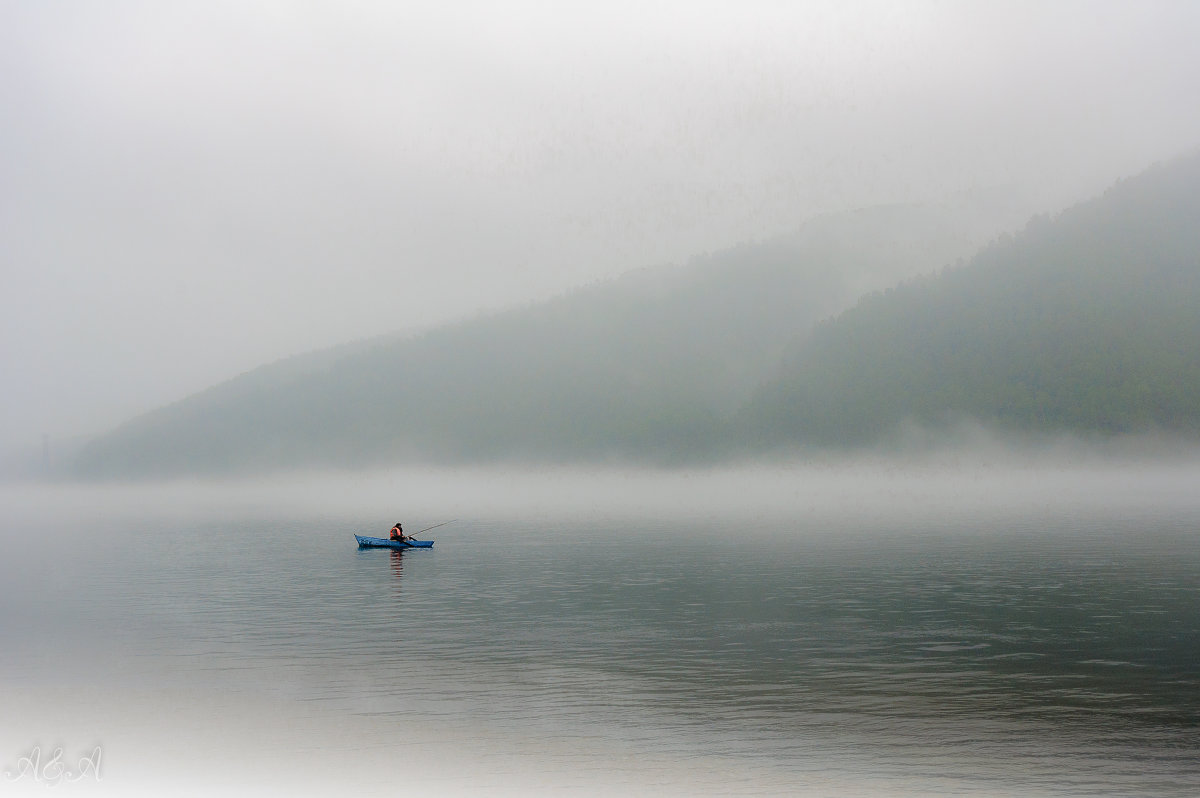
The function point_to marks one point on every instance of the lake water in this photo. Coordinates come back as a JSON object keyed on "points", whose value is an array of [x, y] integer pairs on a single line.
{"points": [[876, 634]]}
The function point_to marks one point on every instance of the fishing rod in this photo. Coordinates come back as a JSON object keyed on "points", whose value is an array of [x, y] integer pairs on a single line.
{"points": [[435, 526]]}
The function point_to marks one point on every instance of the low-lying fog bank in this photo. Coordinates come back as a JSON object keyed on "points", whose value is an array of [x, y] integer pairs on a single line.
{"points": [[971, 473]]}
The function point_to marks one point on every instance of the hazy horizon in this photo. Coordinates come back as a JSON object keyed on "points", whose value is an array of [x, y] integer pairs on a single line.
{"points": [[192, 191]]}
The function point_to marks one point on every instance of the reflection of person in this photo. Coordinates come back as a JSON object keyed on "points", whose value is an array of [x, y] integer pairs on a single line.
{"points": [[397, 533]]}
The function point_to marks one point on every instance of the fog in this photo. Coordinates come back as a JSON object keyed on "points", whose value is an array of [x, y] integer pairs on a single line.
{"points": [[190, 190], [921, 488]]}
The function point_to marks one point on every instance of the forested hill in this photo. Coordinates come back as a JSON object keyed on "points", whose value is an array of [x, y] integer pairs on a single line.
{"points": [[1088, 322], [649, 366]]}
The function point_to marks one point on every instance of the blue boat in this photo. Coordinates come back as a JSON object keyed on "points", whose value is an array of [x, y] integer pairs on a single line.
{"points": [[384, 543]]}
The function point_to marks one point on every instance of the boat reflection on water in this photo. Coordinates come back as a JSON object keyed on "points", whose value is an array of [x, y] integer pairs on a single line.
{"points": [[397, 564]]}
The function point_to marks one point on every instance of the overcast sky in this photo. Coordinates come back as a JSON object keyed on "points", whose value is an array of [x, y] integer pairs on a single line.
{"points": [[191, 189]]}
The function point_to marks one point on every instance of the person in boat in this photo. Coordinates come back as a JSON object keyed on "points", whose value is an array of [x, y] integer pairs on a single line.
{"points": [[397, 533]]}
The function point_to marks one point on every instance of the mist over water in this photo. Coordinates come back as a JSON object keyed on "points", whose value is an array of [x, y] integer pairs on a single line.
{"points": [[846, 628], [937, 474]]}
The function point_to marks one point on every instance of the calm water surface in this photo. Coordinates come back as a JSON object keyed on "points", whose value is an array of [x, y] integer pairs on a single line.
{"points": [[1025, 653]]}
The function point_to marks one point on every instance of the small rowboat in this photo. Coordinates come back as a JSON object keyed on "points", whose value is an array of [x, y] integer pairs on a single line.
{"points": [[384, 543]]}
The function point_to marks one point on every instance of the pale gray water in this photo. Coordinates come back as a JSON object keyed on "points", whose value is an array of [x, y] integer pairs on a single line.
{"points": [[1035, 651]]}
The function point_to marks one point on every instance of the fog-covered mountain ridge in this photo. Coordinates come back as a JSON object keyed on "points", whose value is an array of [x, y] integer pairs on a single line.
{"points": [[1087, 322], [856, 325], [648, 364]]}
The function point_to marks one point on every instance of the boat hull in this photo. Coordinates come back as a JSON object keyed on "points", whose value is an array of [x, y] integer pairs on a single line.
{"points": [[383, 543]]}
